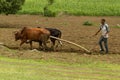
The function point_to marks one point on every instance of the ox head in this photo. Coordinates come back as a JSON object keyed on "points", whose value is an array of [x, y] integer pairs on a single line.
{"points": [[17, 35]]}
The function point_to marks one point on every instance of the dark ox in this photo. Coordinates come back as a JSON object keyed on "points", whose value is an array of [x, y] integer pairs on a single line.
{"points": [[32, 34], [56, 33]]}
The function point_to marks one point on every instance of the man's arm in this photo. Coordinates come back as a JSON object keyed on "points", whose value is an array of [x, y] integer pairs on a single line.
{"points": [[97, 32]]}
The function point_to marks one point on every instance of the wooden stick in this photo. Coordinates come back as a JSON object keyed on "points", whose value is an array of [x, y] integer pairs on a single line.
{"points": [[71, 43]]}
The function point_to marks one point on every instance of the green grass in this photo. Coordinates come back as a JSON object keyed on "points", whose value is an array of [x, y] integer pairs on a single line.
{"points": [[75, 7], [33, 7], [17, 69]]}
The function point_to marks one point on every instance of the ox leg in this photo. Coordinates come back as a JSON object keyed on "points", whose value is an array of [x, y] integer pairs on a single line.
{"points": [[40, 45], [44, 39], [31, 45], [44, 45], [53, 44], [59, 43], [22, 42]]}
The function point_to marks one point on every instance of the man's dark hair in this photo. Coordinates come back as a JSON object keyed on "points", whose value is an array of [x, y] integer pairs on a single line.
{"points": [[103, 20]]}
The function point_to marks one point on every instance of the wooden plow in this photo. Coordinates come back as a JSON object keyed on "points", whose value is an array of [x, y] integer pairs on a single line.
{"points": [[71, 43]]}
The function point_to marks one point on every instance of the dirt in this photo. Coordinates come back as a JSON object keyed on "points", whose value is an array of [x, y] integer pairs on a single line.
{"points": [[72, 29]]}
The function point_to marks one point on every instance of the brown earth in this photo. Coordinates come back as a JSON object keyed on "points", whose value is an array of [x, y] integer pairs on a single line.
{"points": [[72, 29]]}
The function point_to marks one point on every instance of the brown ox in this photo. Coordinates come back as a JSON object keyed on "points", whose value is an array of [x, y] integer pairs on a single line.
{"points": [[32, 34]]}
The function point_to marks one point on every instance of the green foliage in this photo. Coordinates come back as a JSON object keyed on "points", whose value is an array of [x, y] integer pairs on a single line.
{"points": [[10, 6], [88, 23], [75, 7], [33, 7], [47, 11], [87, 69], [117, 26], [50, 2]]}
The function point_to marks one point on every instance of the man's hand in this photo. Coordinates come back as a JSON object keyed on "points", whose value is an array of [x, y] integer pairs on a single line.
{"points": [[97, 32], [94, 35], [105, 34]]}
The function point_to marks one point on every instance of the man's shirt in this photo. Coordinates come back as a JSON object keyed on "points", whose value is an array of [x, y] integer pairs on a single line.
{"points": [[104, 30]]}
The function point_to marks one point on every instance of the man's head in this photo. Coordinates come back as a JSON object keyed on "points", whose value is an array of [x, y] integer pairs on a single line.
{"points": [[103, 21]]}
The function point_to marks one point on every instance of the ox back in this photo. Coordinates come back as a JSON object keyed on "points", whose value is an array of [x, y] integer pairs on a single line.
{"points": [[54, 32], [34, 34]]}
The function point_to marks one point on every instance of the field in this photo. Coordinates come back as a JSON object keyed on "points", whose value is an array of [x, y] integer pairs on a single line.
{"points": [[17, 69], [68, 63], [69, 25], [75, 7]]}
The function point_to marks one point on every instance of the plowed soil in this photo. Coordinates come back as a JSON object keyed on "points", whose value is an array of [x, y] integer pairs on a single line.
{"points": [[71, 26]]}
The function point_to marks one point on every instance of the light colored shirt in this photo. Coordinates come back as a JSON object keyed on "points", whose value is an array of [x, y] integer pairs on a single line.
{"points": [[104, 30]]}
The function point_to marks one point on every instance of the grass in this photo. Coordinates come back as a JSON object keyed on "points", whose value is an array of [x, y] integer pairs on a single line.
{"points": [[75, 7], [117, 26], [33, 7], [16, 69]]}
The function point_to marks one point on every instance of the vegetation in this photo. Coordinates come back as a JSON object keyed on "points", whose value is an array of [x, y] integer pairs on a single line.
{"points": [[10, 6], [117, 26], [48, 12], [74, 7], [33, 7], [88, 23], [15, 69]]}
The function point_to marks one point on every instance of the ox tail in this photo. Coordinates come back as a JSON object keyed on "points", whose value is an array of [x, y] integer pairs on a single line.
{"points": [[71, 43]]}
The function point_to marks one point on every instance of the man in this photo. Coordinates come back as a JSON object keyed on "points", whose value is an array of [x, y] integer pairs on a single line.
{"points": [[104, 28]]}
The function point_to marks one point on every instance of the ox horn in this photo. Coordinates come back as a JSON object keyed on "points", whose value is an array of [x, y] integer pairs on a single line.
{"points": [[15, 32]]}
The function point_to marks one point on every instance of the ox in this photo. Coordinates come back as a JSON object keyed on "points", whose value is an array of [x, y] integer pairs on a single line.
{"points": [[32, 34], [56, 33]]}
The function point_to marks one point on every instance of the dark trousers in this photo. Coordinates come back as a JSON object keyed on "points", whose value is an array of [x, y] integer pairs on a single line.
{"points": [[105, 40]]}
